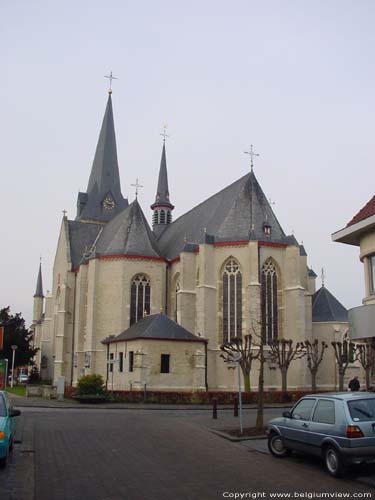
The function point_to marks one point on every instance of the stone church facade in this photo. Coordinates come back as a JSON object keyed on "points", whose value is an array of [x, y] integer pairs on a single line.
{"points": [[151, 306]]}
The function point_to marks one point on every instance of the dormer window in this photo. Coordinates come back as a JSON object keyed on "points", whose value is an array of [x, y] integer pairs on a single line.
{"points": [[267, 229]]}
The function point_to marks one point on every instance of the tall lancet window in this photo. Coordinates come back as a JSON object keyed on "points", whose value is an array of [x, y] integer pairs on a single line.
{"points": [[140, 296], [270, 317], [232, 301]]}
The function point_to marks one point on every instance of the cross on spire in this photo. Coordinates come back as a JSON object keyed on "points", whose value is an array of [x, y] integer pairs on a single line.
{"points": [[164, 133], [322, 275], [136, 185], [110, 77], [64, 212], [252, 155]]}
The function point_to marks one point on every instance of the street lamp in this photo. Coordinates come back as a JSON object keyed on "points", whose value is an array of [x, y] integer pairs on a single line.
{"points": [[13, 347]]}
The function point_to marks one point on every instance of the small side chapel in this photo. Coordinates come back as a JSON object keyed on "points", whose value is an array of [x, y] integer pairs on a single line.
{"points": [[151, 306]]}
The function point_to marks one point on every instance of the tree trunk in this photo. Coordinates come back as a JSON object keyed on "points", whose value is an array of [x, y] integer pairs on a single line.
{"points": [[341, 380], [246, 379], [284, 375], [313, 381], [259, 422], [368, 378]]}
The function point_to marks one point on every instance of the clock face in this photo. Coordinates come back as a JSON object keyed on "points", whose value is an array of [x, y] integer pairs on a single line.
{"points": [[109, 203]]}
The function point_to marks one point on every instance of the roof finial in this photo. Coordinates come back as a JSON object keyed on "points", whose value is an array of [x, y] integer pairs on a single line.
{"points": [[252, 154], [64, 213], [136, 185], [164, 133], [110, 77], [322, 275]]}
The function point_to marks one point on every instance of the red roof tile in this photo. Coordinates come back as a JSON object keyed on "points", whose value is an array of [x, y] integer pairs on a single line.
{"points": [[366, 211]]}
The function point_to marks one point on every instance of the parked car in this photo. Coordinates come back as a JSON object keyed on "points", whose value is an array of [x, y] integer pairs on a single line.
{"points": [[23, 378], [8, 424], [338, 427]]}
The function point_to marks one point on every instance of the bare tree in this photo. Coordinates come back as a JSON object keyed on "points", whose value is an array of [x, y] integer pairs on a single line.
{"points": [[283, 353], [365, 353], [345, 352], [245, 347], [314, 351]]}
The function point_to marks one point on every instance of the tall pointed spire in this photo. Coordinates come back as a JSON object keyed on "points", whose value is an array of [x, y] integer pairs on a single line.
{"points": [[162, 205], [39, 284], [103, 198]]}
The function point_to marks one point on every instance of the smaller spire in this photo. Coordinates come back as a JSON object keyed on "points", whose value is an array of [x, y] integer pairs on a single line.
{"points": [[39, 283]]}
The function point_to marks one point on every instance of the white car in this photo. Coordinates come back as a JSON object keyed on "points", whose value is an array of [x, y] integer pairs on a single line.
{"points": [[23, 378]]}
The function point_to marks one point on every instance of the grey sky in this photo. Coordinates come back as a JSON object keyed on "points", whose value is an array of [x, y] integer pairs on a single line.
{"points": [[295, 78]]}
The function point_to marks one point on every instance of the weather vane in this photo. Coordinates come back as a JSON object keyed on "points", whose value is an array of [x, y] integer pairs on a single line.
{"points": [[136, 185], [164, 133], [110, 77], [252, 155]]}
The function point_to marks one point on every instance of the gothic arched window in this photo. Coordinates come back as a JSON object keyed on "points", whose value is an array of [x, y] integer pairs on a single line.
{"points": [[270, 317], [139, 298], [232, 301]]}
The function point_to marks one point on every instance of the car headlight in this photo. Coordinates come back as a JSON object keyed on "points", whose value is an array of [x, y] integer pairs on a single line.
{"points": [[2, 435]]}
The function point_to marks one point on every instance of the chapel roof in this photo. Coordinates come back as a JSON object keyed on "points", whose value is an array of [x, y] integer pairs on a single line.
{"points": [[234, 214], [81, 238], [128, 234], [367, 211], [326, 308], [155, 327]]}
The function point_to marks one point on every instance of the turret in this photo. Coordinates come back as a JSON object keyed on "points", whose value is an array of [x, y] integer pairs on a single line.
{"points": [[162, 206], [38, 297]]}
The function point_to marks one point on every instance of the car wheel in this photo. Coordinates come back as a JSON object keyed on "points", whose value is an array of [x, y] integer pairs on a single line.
{"points": [[333, 462], [276, 446], [4, 460]]}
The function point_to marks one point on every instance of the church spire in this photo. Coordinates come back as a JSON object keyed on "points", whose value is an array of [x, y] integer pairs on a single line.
{"points": [[39, 283], [103, 198], [162, 206]]}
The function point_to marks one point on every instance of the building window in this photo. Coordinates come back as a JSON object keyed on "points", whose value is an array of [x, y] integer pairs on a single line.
{"points": [[270, 317], [164, 363], [131, 361], [267, 229], [111, 361], [121, 362], [162, 216], [169, 217], [232, 301], [372, 274], [139, 298]]}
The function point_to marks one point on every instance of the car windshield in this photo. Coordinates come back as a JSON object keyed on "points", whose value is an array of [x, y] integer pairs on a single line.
{"points": [[3, 410], [362, 410]]}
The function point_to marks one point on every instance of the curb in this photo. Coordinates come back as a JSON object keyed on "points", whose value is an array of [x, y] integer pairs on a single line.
{"points": [[237, 439]]}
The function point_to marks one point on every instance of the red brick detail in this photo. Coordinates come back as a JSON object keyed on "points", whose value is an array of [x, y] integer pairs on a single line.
{"points": [[231, 243], [366, 211], [272, 244]]}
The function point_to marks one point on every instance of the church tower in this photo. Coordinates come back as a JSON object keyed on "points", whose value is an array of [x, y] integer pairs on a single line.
{"points": [[103, 198], [162, 206], [38, 297]]}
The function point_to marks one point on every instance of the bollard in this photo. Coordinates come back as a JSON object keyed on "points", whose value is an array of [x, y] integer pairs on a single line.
{"points": [[235, 409], [214, 408]]}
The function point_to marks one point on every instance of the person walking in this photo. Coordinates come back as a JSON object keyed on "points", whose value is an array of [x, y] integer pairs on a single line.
{"points": [[354, 384]]}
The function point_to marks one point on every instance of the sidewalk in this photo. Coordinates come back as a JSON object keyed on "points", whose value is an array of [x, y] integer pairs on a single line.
{"points": [[35, 402]]}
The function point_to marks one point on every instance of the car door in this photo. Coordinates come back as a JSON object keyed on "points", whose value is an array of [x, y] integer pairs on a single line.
{"points": [[297, 427], [322, 423]]}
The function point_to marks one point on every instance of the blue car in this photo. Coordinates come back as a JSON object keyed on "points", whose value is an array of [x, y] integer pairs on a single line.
{"points": [[338, 427], [7, 427]]}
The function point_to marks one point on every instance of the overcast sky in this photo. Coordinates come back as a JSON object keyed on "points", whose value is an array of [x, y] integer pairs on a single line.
{"points": [[294, 78]]}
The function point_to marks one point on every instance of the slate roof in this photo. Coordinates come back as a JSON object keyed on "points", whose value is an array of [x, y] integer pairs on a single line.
{"points": [[128, 233], [302, 251], [39, 284], [367, 211], [162, 192], [156, 326], [81, 237], [325, 307], [104, 178], [234, 214], [311, 273]]}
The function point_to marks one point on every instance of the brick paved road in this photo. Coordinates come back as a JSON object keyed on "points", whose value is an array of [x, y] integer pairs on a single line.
{"points": [[131, 455]]}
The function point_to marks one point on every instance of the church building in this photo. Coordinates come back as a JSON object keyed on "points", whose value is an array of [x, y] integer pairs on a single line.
{"points": [[150, 306]]}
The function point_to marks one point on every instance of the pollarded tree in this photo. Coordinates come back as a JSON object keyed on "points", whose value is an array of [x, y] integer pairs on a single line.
{"points": [[283, 352], [365, 353], [345, 353], [314, 352], [245, 348]]}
